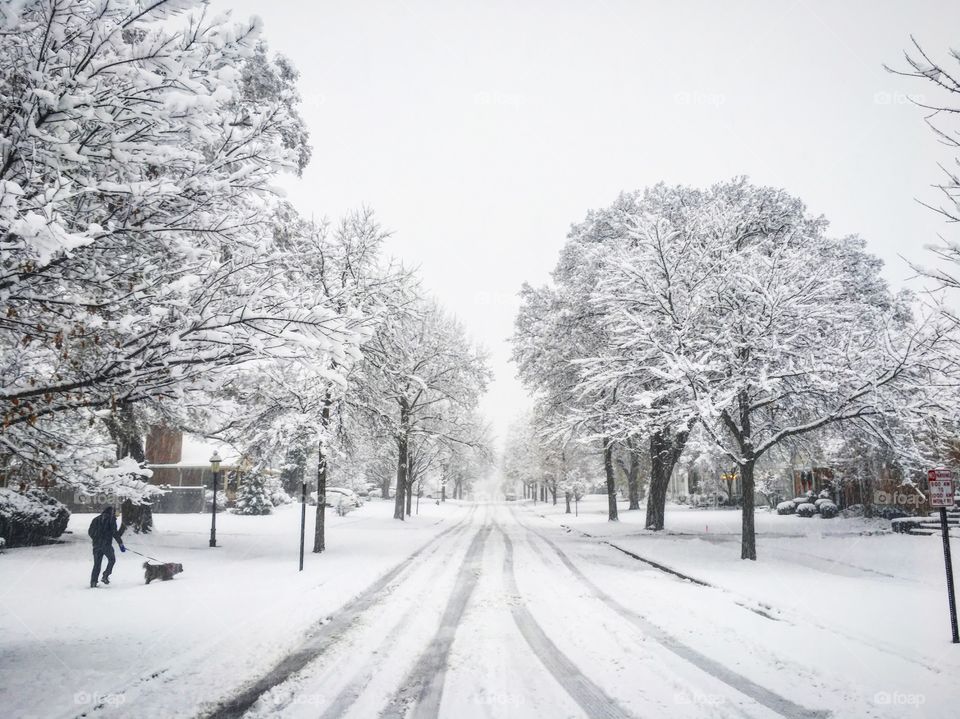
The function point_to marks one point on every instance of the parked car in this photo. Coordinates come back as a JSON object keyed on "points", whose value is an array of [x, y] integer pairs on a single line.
{"points": [[349, 496], [337, 495]]}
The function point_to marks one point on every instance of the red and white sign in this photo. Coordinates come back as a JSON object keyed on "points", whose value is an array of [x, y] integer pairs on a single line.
{"points": [[940, 482]]}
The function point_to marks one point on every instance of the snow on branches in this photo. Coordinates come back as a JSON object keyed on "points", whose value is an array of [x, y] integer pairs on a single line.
{"points": [[138, 146]]}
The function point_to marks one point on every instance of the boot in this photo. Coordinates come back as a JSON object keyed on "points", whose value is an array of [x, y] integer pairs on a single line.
{"points": [[105, 579]]}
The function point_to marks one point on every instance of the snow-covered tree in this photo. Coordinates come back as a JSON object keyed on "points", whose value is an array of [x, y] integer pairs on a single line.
{"points": [[555, 329], [291, 405], [423, 378], [253, 495], [769, 328], [138, 147]]}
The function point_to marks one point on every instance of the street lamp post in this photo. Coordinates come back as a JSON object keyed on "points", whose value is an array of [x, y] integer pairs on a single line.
{"points": [[215, 469]]}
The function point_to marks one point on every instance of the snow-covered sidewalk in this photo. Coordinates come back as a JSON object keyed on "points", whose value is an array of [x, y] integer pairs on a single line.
{"points": [[170, 647]]}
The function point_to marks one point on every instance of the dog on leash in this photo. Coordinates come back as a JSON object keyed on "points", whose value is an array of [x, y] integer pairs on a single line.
{"points": [[161, 571]]}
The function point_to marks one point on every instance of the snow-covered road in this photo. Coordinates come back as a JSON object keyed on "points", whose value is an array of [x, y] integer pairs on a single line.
{"points": [[489, 610], [507, 615]]}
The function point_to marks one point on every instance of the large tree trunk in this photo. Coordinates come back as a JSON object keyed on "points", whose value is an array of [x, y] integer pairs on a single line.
{"points": [[665, 452], [748, 537], [385, 486], [410, 481], [611, 480], [402, 459], [567, 497], [319, 530], [633, 474], [126, 435], [553, 492]]}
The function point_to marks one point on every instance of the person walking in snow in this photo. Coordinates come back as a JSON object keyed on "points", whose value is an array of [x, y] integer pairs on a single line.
{"points": [[103, 530]]}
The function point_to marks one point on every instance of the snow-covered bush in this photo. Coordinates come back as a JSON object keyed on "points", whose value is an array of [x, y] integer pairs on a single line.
{"points": [[253, 496], [854, 510], [828, 510], [208, 500], [788, 507], [807, 509], [278, 496], [824, 494], [823, 500], [31, 517]]}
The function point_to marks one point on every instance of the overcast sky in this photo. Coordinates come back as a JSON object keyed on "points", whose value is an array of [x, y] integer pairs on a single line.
{"points": [[479, 131]]}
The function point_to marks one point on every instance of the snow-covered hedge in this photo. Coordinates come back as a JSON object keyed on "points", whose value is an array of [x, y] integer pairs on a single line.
{"points": [[788, 507], [32, 517], [828, 510], [807, 509]]}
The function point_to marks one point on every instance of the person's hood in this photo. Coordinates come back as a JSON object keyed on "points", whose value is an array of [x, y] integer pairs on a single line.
{"points": [[107, 512]]}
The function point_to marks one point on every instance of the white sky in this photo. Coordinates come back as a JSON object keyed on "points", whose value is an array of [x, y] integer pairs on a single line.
{"points": [[479, 131]]}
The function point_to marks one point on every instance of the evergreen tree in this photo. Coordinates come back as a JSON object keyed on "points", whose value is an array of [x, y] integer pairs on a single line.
{"points": [[253, 496]]}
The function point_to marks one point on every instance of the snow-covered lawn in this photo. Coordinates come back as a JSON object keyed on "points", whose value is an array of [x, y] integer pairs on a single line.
{"points": [[233, 612], [862, 590]]}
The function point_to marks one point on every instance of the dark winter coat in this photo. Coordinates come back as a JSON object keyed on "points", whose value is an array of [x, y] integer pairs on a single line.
{"points": [[103, 530]]}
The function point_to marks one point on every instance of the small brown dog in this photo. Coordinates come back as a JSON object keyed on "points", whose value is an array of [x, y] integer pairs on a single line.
{"points": [[160, 571]]}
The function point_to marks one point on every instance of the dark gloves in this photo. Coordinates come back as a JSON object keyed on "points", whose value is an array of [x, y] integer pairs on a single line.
{"points": [[122, 548]]}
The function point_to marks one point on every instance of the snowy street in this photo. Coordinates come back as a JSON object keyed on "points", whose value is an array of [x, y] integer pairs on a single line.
{"points": [[482, 610], [556, 625]]}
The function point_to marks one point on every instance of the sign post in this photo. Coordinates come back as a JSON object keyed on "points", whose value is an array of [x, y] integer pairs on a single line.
{"points": [[940, 482], [303, 518]]}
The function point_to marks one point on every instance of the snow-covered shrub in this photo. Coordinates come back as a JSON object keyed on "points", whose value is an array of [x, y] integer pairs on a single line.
{"points": [[800, 500], [854, 510], [824, 494], [828, 510], [278, 496], [31, 517], [788, 507], [221, 500], [889, 513], [253, 496], [807, 509], [823, 500]]}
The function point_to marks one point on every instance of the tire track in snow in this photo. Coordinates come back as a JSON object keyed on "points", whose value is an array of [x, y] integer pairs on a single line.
{"points": [[789, 616], [424, 683], [595, 702], [326, 633], [347, 696], [773, 701]]}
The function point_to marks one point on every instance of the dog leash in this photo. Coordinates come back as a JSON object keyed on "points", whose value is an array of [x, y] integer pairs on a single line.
{"points": [[144, 555]]}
